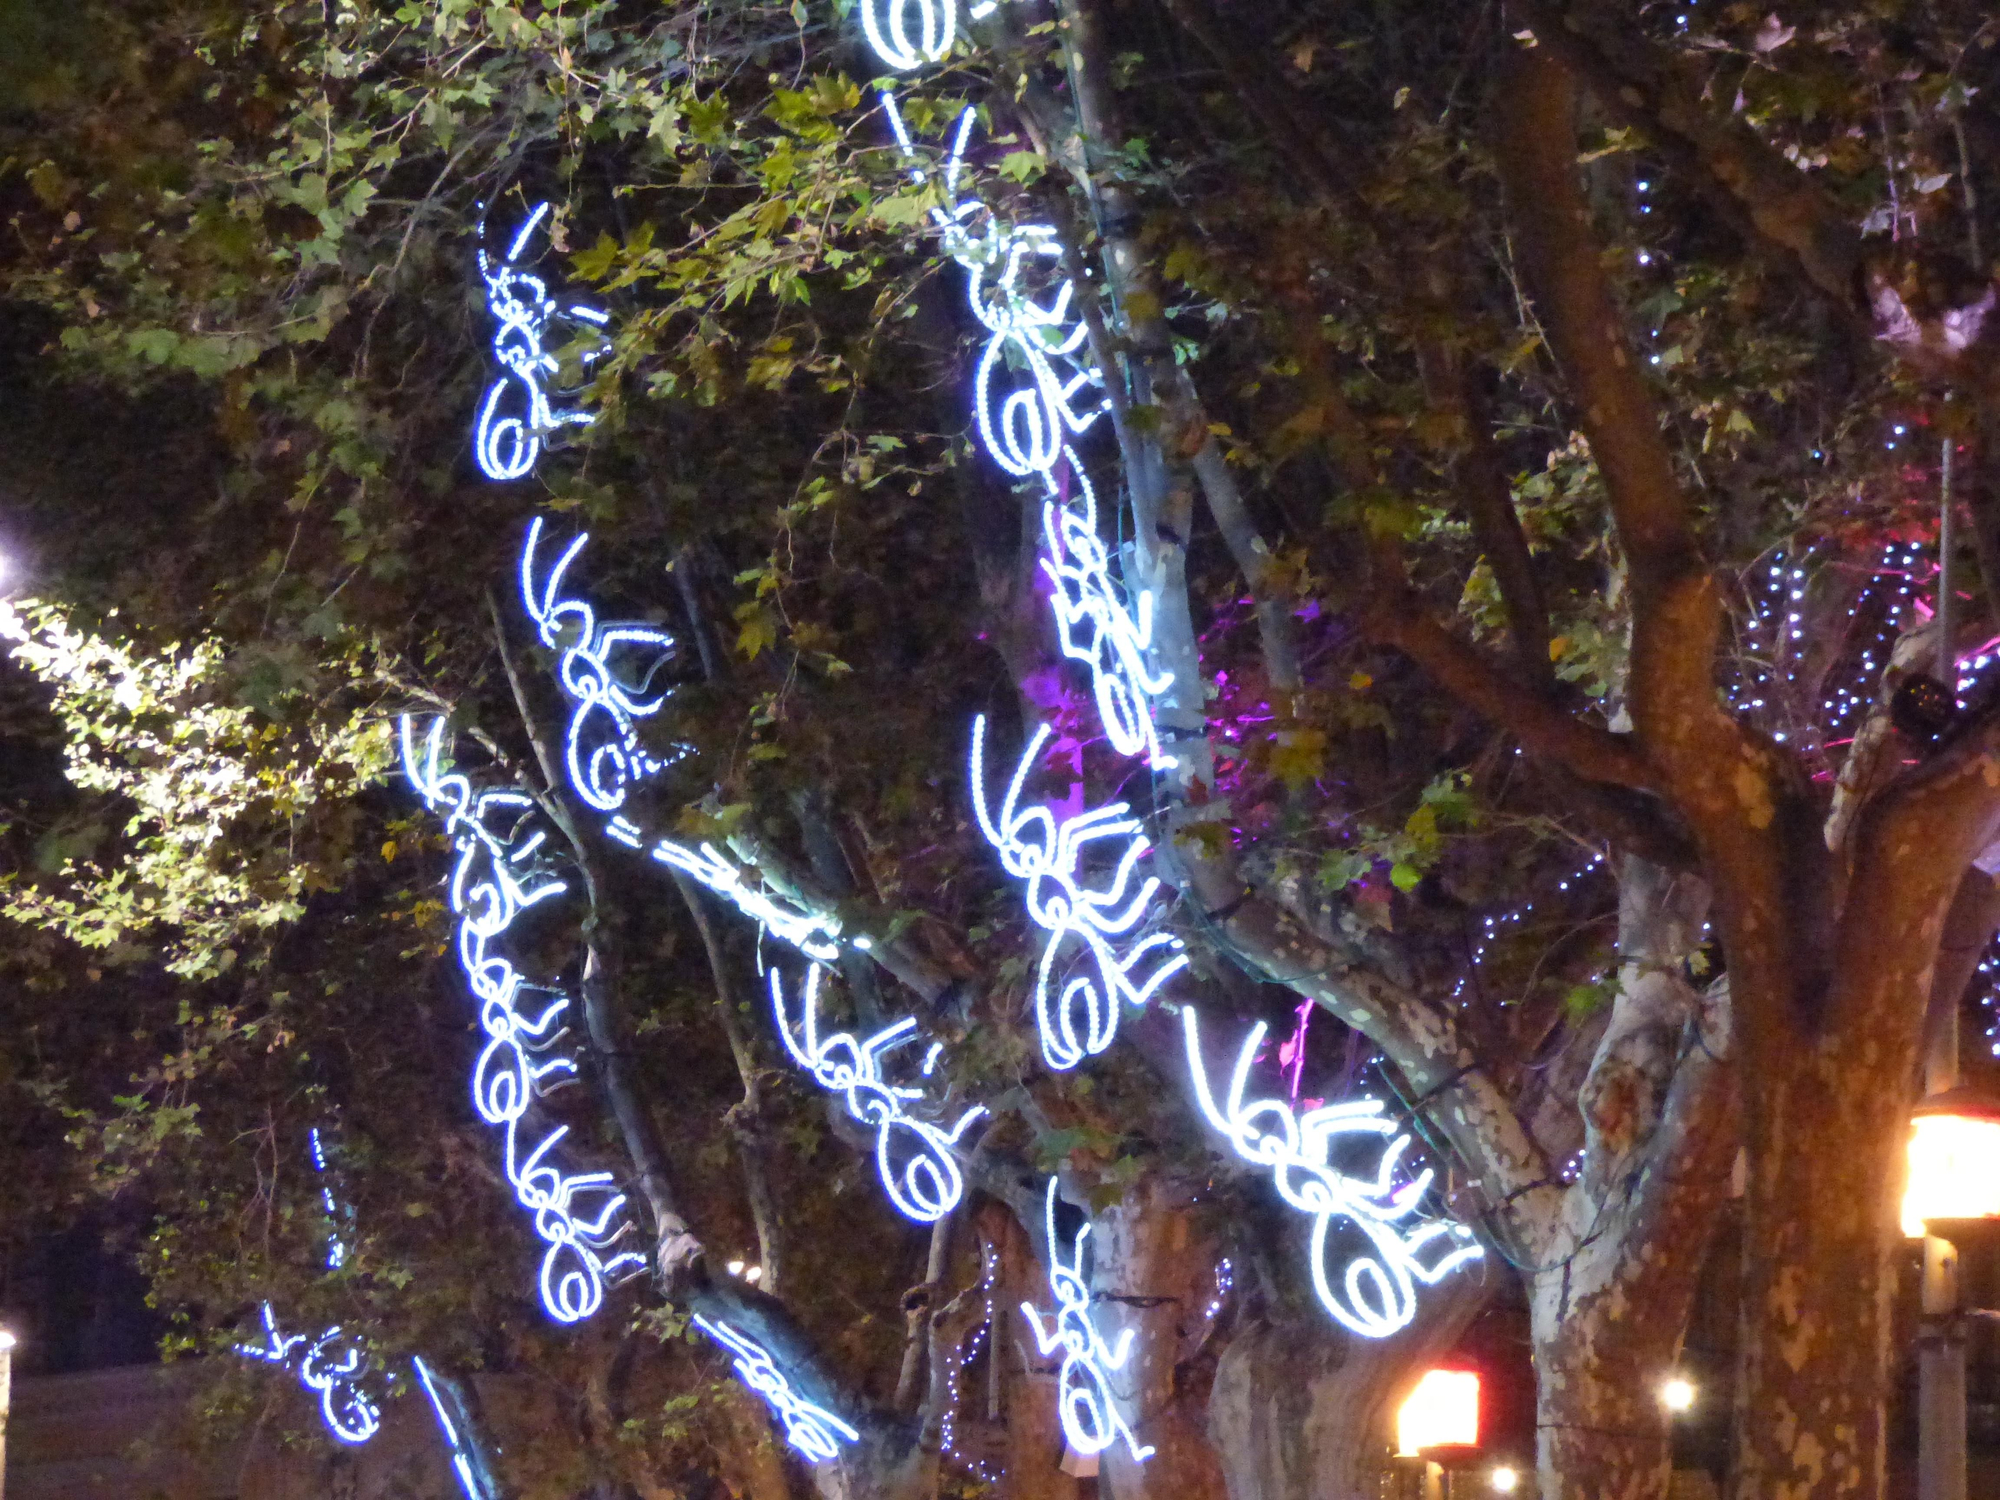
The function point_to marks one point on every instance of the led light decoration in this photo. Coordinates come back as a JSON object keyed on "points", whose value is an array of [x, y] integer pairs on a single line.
{"points": [[915, 1158], [607, 672], [908, 33], [1079, 1018], [461, 1463], [516, 416], [815, 934], [497, 877], [1084, 1399], [813, 1430], [1442, 1412], [1015, 288], [331, 1368], [1096, 627], [1377, 1294]]}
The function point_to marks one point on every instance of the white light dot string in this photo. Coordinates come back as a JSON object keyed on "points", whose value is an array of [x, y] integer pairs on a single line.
{"points": [[498, 875], [916, 1158], [516, 416], [1085, 1400], [816, 1432], [986, 1336], [1077, 1015], [1378, 1291]]}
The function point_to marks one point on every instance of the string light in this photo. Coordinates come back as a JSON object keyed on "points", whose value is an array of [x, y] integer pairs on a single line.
{"points": [[915, 1158], [1095, 627], [506, 445], [1024, 430], [887, 24], [1081, 1019], [813, 933], [813, 1430], [601, 749], [461, 1464], [498, 877], [1377, 1295], [332, 1369], [1084, 1399]]}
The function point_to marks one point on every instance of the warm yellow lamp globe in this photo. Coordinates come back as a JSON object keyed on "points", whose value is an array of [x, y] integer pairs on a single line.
{"points": [[1954, 1170]]}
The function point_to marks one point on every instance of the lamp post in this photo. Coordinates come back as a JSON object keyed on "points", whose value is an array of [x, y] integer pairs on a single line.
{"points": [[1952, 1200], [6, 1400]]}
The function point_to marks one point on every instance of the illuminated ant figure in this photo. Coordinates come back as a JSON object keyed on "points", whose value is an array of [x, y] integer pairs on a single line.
{"points": [[1082, 1019], [1026, 430], [602, 750], [506, 446], [331, 1368], [929, 1184], [1084, 1398]]}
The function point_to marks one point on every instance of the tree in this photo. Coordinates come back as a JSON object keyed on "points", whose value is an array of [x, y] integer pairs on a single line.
{"points": [[1493, 512]]}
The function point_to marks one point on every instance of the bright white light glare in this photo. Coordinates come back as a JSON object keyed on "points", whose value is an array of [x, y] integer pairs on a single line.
{"points": [[461, 1464], [1378, 1293], [1677, 1394], [498, 876], [1442, 1412], [7, 1341], [1084, 1398], [607, 673], [331, 1368], [736, 1268], [1954, 1171], [1079, 1019], [813, 1430], [1506, 1479], [1096, 627], [915, 1158], [516, 417]]}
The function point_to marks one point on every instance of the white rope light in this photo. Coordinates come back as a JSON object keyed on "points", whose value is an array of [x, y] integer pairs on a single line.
{"points": [[331, 1368], [1024, 430], [607, 671], [1080, 1018], [461, 1465], [497, 877], [1095, 626], [508, 437], [897, 43], [813, 1430], [1084, 1398], [1378, 1293], [916, 1160]]}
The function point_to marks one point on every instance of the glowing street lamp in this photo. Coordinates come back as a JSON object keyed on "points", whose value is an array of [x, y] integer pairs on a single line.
{"points": [[1677, 1395], [6, 1399], [1954, 1183], [1442, 1413]]}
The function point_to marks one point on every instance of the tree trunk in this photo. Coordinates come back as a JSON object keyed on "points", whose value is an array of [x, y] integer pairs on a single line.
{"points": [[1816, 1288], [1156, 1276], [1306, 1413]]}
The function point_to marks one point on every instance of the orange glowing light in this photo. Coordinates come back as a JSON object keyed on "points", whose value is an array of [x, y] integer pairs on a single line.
{"points": [[1443, 1411], [1954, 1161]]}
